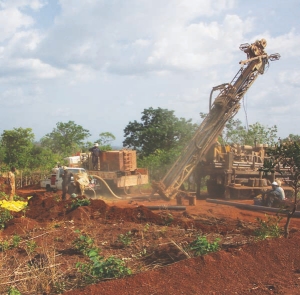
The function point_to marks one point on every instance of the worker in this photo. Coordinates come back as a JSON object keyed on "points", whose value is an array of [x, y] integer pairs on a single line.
{"points": [[11, 183], [276, 195], [95, 155], [66, 182]]}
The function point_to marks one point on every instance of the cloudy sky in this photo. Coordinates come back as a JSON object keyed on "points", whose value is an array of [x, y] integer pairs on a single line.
{"points": [[100, 63]]}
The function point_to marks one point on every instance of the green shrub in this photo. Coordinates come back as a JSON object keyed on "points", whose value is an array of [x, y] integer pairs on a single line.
{"points": [[80, 202], [268, 228], [125, 239], [99, 268], [4, 246], [15, 241], [13, 291], [202, 246], [84, 244], [5, 216], [31, 246]]}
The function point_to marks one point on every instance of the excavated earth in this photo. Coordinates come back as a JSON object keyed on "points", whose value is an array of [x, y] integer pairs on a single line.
{"points": [[157, 251]]}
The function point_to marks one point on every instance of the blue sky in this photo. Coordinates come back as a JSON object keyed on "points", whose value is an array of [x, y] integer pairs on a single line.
{"points": [[100, 63]]}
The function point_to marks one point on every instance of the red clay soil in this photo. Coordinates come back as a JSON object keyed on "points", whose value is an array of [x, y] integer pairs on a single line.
{"points": [[264, 267], [268, 267]]}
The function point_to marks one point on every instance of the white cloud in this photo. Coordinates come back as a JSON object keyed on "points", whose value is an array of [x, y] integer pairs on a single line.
{"points": [[138, 53], [16, 97], [199, 45], [33, 4], [11, 20], [291, 77], [61, 112]]}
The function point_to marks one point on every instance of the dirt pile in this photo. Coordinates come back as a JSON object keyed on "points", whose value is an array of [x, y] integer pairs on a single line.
{"points": [[157, 250], [268, 267], [47, 208]]}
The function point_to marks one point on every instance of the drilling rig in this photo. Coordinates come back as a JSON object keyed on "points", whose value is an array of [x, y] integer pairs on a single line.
{"points": [[223, 108]]}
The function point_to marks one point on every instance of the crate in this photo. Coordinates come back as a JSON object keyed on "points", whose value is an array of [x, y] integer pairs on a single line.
{"points": [[124, 160]]}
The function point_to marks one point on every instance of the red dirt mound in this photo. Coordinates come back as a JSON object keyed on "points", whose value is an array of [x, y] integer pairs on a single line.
{"points": [[45, 208], [268, 267]]}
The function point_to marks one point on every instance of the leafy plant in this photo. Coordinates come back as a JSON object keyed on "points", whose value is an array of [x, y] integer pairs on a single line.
{"points": [[100, 268], [16, 241], [5, 216], [31, 246], [3, 195], [125, 239], [13, 291], [146, 227], [4, 246], [269, 228], [80, 202], [167, 218], [84, 244], [202, 246]]}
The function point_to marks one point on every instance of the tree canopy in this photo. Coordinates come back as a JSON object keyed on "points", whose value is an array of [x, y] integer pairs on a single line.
{"points": [[159, 129], [16, 146], [285, 159], [235, 132], [66, 138], [105, 140]]}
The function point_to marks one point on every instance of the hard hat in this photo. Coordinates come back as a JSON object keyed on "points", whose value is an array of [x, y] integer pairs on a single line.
{"points": [[274, 183], [65, 168], [96, 144]]}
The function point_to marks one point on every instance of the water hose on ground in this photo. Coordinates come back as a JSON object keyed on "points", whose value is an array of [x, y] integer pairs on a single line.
{"points": [[110, 190]]}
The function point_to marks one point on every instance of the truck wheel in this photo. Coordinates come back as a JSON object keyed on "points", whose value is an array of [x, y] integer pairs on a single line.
{"points": [[48, 188]]}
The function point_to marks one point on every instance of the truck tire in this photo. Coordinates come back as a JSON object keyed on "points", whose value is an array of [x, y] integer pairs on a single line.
{"points": [[48, 188]]}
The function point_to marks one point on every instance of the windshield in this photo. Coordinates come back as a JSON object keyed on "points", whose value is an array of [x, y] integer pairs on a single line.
{"points": [[77, 170]]}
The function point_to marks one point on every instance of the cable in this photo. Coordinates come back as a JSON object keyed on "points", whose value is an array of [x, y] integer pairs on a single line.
{"points": [[99, 178], [246, 115]]}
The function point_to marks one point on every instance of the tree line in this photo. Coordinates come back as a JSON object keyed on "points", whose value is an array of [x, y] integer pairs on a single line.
{"points": [[159, 137]]}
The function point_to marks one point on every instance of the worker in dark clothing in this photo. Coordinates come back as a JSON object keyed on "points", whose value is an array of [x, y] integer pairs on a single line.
{"points": [[95, 155], [66, 182]]}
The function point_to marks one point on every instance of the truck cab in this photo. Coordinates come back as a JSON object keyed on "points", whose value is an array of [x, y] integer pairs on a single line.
{"points": [[54, 181]]}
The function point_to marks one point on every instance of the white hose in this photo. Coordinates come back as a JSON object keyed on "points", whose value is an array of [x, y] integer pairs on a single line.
{"points": [[99, 178]]}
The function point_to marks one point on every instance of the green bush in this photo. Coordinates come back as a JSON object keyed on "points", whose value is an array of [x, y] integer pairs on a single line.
{"points": [[99, 268], [125, 239], [269, 228], [80, 202], [13, 291], [202, 246], [14, 243], [84, 244], [31, 246], [5, 216]]}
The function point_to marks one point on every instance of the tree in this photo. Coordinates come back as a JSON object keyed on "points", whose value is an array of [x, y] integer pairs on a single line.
{"points": [[66, 138], [257, 133], [291, 137], [16, 147], [160, 129], [285, 159], [105, 141], [42, 159]]}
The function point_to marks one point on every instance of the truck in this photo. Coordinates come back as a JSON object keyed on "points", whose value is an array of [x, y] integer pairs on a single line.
{"points": [[117, 167], [54, 181], [196, 158]]}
